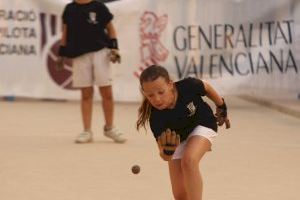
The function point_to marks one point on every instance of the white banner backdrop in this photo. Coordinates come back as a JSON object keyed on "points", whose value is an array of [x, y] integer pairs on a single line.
{"points": [[240, 46]]}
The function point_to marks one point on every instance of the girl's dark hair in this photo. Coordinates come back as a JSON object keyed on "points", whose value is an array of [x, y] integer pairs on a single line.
{"points": [[149, 74]]}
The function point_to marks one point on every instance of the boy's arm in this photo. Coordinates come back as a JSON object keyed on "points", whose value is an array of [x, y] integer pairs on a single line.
{"points": [[63, 40], [114, 54], [62, 49], [111, 31]]}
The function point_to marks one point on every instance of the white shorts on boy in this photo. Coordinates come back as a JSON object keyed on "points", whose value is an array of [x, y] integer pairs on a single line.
{"points": [[92, 69]]}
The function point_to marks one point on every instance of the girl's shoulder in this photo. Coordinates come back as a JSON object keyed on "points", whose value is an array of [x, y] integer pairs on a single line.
{"points": [[191, 85], [189, 81]]}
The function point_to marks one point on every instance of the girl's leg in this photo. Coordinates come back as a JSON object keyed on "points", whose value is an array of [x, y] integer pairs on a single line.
{"points": [[195, 149], [177, 182]]}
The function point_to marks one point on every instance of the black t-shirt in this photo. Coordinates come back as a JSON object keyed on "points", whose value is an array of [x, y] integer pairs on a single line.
{"points": [[86, 27], [190, 111]]}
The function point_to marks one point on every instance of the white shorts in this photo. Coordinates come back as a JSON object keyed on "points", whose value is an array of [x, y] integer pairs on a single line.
{"points": [[199, 130], [92, 69]]}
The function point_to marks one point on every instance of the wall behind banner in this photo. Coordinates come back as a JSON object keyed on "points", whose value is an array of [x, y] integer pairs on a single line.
{"points": [[241, 46]]}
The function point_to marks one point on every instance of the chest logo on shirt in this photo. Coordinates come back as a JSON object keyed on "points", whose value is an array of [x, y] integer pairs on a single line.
{"points": [[93, 18], [192, 109]]}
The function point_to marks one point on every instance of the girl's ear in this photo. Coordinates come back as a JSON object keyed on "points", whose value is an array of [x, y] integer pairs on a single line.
{"points": [[171, 83], [142, 91]]}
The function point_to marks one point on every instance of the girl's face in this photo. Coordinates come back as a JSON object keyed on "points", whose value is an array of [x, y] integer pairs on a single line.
{"points": [[160, 93]]}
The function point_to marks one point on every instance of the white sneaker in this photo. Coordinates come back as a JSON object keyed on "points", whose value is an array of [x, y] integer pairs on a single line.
{"points": [[84, 137], [115, 135]]}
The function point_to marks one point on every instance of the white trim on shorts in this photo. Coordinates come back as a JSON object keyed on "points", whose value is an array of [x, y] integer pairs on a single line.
{"points": [[92, 69], [198, 130]]}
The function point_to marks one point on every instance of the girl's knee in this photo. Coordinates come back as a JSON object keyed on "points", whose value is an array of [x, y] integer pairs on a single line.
{"points": [[180, 196], [189, 162]]}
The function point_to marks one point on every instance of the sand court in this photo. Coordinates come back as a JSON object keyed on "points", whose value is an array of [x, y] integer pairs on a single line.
{"points": [[258, 158]]}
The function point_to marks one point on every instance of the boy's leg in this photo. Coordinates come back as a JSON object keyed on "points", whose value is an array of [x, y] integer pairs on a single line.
{"points": [[86, 107], [177, 181], [86, 113], [103, 79], [108, 108], [107, 105], [83, 79]]}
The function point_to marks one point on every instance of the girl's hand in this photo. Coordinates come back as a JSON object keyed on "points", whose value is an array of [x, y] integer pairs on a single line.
{"points": [[167, 144], [221, 115]]}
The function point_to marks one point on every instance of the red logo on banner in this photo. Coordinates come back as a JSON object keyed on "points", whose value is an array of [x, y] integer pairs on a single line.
{"points": [[50, 27], [61, 77], [151, 49]]}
